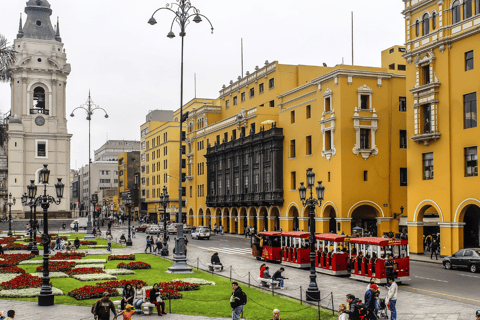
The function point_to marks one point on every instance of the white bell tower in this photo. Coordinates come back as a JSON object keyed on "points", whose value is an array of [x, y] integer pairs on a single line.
{"points": [[37, 128]]}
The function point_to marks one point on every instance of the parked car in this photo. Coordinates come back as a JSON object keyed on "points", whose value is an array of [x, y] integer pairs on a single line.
{"points": [[82, 223], [172, 228], [465, 258], [201, 232], [154, 229], [142, 228]]}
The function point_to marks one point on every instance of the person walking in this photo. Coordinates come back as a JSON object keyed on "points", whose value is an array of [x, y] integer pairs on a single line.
{"points": [[353, 310], [158, 245], [133, 231], [370, 303], [76, 243], [247, 231], [149, 244], [127, 313], [101, 308], [389, 267], [57, 243], [215, 228], [236, 301], [109, 241], [277, 276], [434, 250], [392, 298]]}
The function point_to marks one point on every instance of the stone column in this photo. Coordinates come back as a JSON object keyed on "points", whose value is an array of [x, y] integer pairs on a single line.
{"points": [[286, 223], [322, 225], [271, 224], [384, 225], [241, 229], [415, 236], [345, 225], [303, 224]]}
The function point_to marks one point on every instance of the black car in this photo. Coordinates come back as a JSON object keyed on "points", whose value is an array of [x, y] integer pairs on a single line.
{"points": [[465, 258]]}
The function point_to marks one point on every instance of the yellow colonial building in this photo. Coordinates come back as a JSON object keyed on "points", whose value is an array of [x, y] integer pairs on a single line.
{"points": [[249, 149], [442, 158], [128, 180]]}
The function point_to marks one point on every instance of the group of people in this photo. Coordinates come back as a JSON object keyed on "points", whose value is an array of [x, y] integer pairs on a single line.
{"points": [[277, 275], [217, 229], [61, 244], [157, 243], [431, 243]]}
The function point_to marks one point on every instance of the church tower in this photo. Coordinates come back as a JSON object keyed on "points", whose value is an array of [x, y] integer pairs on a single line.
{"points": [[38, 126]]}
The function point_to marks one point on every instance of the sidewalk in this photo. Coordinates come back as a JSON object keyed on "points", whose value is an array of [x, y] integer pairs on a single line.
{"points": [[426, 258]]}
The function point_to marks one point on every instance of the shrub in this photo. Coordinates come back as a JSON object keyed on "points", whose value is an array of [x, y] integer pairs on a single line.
{"points": [[134, 265], [121, 257]]}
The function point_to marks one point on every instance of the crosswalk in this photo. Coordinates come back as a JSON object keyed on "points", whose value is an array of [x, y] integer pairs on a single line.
{"points": [[228, 250]]}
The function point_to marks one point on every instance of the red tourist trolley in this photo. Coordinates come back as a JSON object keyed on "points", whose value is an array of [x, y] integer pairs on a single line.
{"points": [[271, 246], [369, 256], [333, 254], [296, 249]]}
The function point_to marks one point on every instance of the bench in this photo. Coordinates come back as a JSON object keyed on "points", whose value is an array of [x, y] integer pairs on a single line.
{"points": [[215, 267], [147, 306], [269, 282]]}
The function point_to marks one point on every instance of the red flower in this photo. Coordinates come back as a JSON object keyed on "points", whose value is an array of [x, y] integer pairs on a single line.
{"points": [[121, 257], [58, 266], [24, 281], [78, 271], [134, 265], [13, 269]]}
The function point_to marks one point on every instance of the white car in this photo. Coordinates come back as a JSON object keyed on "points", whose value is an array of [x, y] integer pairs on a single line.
{"points": [[154, 229], [201, 233], [172, 228]]}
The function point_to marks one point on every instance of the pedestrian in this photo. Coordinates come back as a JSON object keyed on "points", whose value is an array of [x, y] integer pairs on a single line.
{"points": [[376, 293], [57, 243], [428, 241], [10, 315], [215, 228], [101, 308], [128, 294], [140, 298], [109, 241], [156, 299], [69, 246], [342, 314], [64, 226], [62, 244], [247, 230], [76, 243], [353, 312], [94, 231], [149, 244], [236, 301], [370, 303], [434, 250], [1, 249], [392, 298], [127, 313], [276, 314], [158, 244], [389, 267], [133, 231], [41, 222], [221, 230], [215, 260], [262, 268], [277, 276]]}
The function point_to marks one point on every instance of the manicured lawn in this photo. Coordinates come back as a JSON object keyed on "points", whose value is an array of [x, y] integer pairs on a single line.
{"points": [[80, 236], [212, 301]]}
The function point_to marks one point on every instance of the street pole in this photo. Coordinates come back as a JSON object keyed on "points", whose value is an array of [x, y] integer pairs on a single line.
{"points": [[89, 107], [10, 203], [35, 250], [129, 240]]}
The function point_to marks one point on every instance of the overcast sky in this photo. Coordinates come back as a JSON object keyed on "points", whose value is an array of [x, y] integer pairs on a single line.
{"points": [[131, 67]]}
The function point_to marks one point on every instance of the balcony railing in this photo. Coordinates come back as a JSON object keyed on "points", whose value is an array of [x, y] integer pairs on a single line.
{"points": [[39, 111]]}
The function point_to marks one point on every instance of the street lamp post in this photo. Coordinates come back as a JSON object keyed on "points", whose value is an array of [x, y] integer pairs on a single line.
{"points": [[89, 107], [164, 200], [46, 297], [32, 246], [313, 293], [96, 214], [183, 14], [128, 204], [11, 202]]}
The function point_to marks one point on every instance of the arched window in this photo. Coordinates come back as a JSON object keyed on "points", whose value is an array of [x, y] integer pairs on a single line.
{"points": [[417, 28], [39, 98], [426, 24], [467, 9], [456, 12], [434, 21]]}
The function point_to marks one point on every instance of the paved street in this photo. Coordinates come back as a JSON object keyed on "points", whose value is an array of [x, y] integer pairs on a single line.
{"points": [[432, 292]]}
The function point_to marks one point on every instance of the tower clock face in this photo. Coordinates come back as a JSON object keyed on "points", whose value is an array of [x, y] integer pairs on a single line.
{"points": [[40, 121]]}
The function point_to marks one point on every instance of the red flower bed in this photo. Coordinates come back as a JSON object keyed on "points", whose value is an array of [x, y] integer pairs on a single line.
{"points": [[68, 256], [24, 281], [120, 283], [121, 257], [134, 265], [74, 272], [14, 259], [13, 269], [11, 239], [167, 294], [58, 266], [89, 292], [179, 286], [88, 242], [15, 246]]}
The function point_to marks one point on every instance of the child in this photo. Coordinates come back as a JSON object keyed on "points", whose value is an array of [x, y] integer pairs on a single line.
{"points": [[343, 316], [127, 313]]}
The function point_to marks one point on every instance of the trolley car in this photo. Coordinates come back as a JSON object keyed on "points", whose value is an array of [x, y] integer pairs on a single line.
{"points": [[267, 246], [371, 257], [333, 254], [296, 249]]}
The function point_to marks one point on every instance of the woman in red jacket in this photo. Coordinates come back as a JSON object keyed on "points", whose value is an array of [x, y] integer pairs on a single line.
{"points": [[262, 268]]}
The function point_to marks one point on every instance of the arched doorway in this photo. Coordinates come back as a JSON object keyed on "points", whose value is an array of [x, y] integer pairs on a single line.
{"points": [[226, 220], [431, 221], [234, 221], [275, 213], [263, 216], [252, 214], [293, 212], [218, 216], [471, 236], [330, 212], [200, 218], [364, 217], [189, 218], [208, 219], [243, 214]]}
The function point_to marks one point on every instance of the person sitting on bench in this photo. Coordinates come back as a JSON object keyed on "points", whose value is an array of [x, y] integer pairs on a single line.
{"points": [[122, 238], [277, 276], [215, 260]]}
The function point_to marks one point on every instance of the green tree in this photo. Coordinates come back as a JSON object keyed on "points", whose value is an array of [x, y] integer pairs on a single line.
{"points": [[7, 57]]}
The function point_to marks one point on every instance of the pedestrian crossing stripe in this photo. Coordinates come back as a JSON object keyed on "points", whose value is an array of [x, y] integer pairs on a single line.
{"points": [[228, 250]]}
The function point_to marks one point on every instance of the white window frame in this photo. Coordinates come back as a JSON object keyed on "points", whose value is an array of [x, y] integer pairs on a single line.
{"points": [[37, 141], [330, 122], [365, 91], [373, 126]]}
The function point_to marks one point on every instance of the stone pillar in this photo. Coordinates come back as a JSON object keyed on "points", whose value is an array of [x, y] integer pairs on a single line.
{"points": [[345, 225], [384, 225], [271, 224], [286, 223], [322, 225], [303, 224], [241, 221], [190, 220], [260, 223], [250, 222], [415, 236], [232, 224], [215, 219], [224, 223], [457, 237], [449, 232]]}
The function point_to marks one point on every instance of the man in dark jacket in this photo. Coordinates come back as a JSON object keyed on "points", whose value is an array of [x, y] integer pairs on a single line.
{"points": [[370, 303], [353, 312], [236, 301], [434, 249], [103, 306], [216, 259]]}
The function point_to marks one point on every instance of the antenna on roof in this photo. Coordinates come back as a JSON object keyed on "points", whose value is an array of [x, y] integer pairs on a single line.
{"points": [[195, 84], [352, 38], [242, 55]]}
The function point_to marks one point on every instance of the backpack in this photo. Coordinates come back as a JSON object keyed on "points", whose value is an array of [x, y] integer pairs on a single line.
{"points": [[362, 309], [244, 298]]}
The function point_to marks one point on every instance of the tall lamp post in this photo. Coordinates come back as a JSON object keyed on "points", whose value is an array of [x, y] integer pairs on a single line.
{"points": [[11, 202], [183, 11], [32, 246], [89, 107], [313, 293], [164, 200], [128, 205], [96, 214], [46, 297]]}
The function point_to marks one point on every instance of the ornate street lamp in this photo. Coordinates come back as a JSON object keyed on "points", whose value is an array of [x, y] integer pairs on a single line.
{"points": [[33, 208], [96, 214], [128, 203], [313, 293], [46, 297], [183, 11], [11, 202], [89, 107], [164, 200]]}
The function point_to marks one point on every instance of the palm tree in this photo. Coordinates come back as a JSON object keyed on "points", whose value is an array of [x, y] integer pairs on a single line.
{"points": [[7, 57]]}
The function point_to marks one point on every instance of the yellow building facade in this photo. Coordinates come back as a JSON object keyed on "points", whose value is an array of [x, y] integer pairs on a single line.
{"points": [[348, 123], [441, 48]]}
